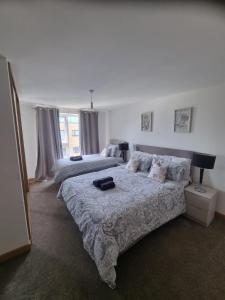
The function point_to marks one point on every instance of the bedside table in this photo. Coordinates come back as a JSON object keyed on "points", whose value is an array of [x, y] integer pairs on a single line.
{"points": [[200, 207]]}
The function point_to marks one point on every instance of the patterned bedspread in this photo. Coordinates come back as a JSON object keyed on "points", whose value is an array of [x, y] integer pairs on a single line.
{"points": [[65, 168], [111, 221]]}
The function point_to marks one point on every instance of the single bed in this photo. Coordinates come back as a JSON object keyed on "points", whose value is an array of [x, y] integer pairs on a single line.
{"points": [[65, 168], [112, 221]]}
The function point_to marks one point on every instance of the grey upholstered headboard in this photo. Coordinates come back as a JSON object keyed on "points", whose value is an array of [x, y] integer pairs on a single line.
{"points": [[116, 142], [164, 151]]}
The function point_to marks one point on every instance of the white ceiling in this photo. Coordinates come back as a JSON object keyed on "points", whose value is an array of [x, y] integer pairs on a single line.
{"points": [[127, 53]]}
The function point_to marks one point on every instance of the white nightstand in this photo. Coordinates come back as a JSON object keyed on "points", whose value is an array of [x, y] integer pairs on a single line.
{"points": [[200, 207]]}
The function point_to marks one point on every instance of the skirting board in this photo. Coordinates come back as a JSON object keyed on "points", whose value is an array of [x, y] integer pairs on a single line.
{"points": [[11, 254]]}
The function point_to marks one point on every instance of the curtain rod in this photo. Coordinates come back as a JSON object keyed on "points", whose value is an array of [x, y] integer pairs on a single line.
{"points": [[61, 109], [44, 106]]}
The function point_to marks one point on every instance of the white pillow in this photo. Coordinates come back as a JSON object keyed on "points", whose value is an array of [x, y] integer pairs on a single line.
{"points": [[158, 172], [112, 149], [104, 152], [133, 165], [163, 160]]}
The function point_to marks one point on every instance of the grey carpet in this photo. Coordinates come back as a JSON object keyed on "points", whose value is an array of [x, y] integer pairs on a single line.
{"points": [[180, 260]]}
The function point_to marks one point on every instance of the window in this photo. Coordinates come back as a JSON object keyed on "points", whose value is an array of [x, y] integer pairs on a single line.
{"points": [[69, 129], [75, 132], [73, 119], [61, 119], [63, 136], [64, 151], [76, 150]]}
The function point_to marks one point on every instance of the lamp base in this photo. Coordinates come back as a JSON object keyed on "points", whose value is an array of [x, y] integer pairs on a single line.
{"points": [[124, 155], [199, 188]]}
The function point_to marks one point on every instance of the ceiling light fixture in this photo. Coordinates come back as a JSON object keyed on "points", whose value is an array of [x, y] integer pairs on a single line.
{"points": [[91, 93], [91, 108]]}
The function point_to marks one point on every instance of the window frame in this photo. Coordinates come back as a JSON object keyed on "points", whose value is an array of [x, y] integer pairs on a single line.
{"points": [[74, 131]]}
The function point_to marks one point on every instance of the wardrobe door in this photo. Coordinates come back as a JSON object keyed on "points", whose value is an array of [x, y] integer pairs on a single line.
{"points": [[20, 143]]}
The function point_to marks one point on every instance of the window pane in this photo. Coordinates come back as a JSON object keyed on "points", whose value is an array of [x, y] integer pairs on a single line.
{"points": [[73, 119], [76, 149], [62, 132], [61, 119], [75, 132], [64, 151]]}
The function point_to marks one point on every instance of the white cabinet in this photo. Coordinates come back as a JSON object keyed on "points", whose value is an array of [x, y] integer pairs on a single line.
{"points": [[200, 207]]}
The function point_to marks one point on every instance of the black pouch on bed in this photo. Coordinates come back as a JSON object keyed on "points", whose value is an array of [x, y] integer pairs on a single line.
{"points": [[107, 185], [98, 182], [76, 158]]}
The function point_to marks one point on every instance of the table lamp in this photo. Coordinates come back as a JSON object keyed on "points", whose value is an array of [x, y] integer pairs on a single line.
{"points": [[124, 147], [202, 161]]}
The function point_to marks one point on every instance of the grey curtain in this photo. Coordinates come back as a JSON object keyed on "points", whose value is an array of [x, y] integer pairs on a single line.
{"points": [[49, 141], [89, 139]]}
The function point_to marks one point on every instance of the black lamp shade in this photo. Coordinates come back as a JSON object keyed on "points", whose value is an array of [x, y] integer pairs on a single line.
{"points": [[203, 161], [124, 146]]}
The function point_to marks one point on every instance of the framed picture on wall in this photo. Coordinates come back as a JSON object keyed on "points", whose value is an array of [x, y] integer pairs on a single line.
{"points": [[146, 121], [182, 120]]}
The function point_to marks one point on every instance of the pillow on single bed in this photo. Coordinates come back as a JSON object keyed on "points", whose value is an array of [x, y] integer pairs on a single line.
{"points": [[104, 152], [113, 150], [145, 160], [158, 172], [133, 165], [117, 152]]}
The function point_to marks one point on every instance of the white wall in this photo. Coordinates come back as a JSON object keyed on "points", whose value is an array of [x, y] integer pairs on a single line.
{"points": [[30, 137], [13, 227], [208, 128]]}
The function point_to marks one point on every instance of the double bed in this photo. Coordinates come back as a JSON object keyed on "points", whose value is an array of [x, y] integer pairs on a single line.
{"points": [[112, 221]]}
